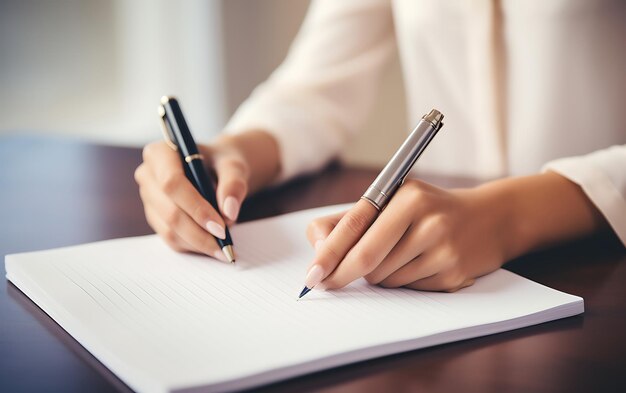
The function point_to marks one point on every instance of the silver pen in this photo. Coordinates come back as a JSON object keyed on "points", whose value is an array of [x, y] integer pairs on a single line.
{"points": [[393, 174]]}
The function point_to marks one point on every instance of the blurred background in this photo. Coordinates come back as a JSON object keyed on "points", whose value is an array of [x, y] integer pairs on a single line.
{"points": [[96, 69]]}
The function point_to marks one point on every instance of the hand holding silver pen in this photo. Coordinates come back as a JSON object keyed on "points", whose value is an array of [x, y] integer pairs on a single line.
{"points": [[351, 229], [407, 233]]}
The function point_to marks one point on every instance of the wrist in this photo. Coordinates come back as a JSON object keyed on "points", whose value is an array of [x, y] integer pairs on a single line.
{"points": [[497, 209], [542, 210], [515, 228]]}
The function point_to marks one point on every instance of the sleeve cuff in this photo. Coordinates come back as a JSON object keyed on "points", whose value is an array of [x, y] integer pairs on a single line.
{"points": [[303, 145], [598, 187]]}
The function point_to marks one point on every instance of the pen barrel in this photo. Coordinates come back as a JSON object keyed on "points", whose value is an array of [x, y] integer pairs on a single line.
{"points": [[197, 175], [178, 129], [396, 170]]}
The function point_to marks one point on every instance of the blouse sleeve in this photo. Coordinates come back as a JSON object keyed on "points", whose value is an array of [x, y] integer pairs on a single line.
{"points": [[324, 89], [602, 176]]}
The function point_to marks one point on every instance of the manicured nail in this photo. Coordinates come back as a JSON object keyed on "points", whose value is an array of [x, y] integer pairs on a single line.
{"points": [[231, 208], [318, 244], [220, 256], [216, 229], [314, 277]]}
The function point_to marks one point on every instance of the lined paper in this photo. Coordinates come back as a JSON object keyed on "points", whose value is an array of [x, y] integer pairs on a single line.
{"points": [[165, 321]]}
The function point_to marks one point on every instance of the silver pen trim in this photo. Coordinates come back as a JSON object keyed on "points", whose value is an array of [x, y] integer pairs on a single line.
{"points": [[393, 174]]}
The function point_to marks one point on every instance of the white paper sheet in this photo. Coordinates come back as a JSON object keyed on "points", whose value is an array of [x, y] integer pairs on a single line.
{"points": [[164, 321]]}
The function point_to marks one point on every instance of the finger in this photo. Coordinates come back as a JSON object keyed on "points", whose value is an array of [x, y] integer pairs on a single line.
{"points": [[447, 282], [178, 222], [167, 234], [345, 235], [412, 245], [232, 185], [319, 229], [382, 236], [168, 173], [141, 174], [426, 265]]}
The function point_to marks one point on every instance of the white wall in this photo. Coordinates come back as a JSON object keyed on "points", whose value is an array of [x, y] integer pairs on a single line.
{"points": [[96, 69]]}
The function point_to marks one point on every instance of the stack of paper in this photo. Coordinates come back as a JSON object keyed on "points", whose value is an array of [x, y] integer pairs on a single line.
{"points": [[164, 321]]}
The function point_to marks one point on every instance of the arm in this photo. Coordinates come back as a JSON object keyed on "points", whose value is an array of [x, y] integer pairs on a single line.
{"points": [[293, 123], [323, 91], [601, 175], [540, 211], [433, 239]]}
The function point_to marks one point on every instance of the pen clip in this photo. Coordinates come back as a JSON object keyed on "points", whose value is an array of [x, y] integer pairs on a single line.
{"points": [[165, 128]]}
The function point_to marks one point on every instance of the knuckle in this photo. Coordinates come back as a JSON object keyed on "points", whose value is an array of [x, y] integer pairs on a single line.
{"points": [[356, 222], [452, 280], [411, 186], [454, 256], [413, 194], [171, 217], [170, 184], [417, 194], [439, 221], [170, 237], [451, 255], [138, 174], [315, 226], [420, 198], [239, 184], [149, 151], [373, 278], [236, 164], [333, 253], [312, 230], [199, 212], [364, 260], [388, 283]]}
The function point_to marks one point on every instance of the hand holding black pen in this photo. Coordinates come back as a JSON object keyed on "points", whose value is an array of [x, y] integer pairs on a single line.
{"points": [[179, 138]]}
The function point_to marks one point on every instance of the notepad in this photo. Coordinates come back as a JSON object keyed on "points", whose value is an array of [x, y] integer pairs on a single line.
{"points": [[164, 321]]}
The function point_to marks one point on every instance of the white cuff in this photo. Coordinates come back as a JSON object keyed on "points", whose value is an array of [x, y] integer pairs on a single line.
{"points": [[597, 184]]}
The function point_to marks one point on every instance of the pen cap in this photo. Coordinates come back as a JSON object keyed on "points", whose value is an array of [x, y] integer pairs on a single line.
{"points": [[396, 170], [177, 128]]}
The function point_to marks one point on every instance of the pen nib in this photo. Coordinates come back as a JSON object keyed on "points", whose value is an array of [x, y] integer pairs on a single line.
{"points": [[229, 253], [304, 292]]}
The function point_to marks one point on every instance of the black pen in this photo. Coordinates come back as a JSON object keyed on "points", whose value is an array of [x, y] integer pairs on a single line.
{"points": [[178, 137]]}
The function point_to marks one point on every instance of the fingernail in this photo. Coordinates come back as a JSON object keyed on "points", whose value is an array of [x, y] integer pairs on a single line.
{"points": [[318, 244], [220, 255], [231, 208], [216, 229], [314, 276]]}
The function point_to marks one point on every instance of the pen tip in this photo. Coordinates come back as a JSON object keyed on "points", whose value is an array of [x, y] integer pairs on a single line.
{"points": [[229, 253], [304, 292]]}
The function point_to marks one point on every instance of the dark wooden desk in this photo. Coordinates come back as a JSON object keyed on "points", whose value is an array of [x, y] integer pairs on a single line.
{"points": [[55, 192]]}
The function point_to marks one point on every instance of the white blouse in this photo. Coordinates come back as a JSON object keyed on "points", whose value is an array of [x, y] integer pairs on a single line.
{"points": [[523, 85]]}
